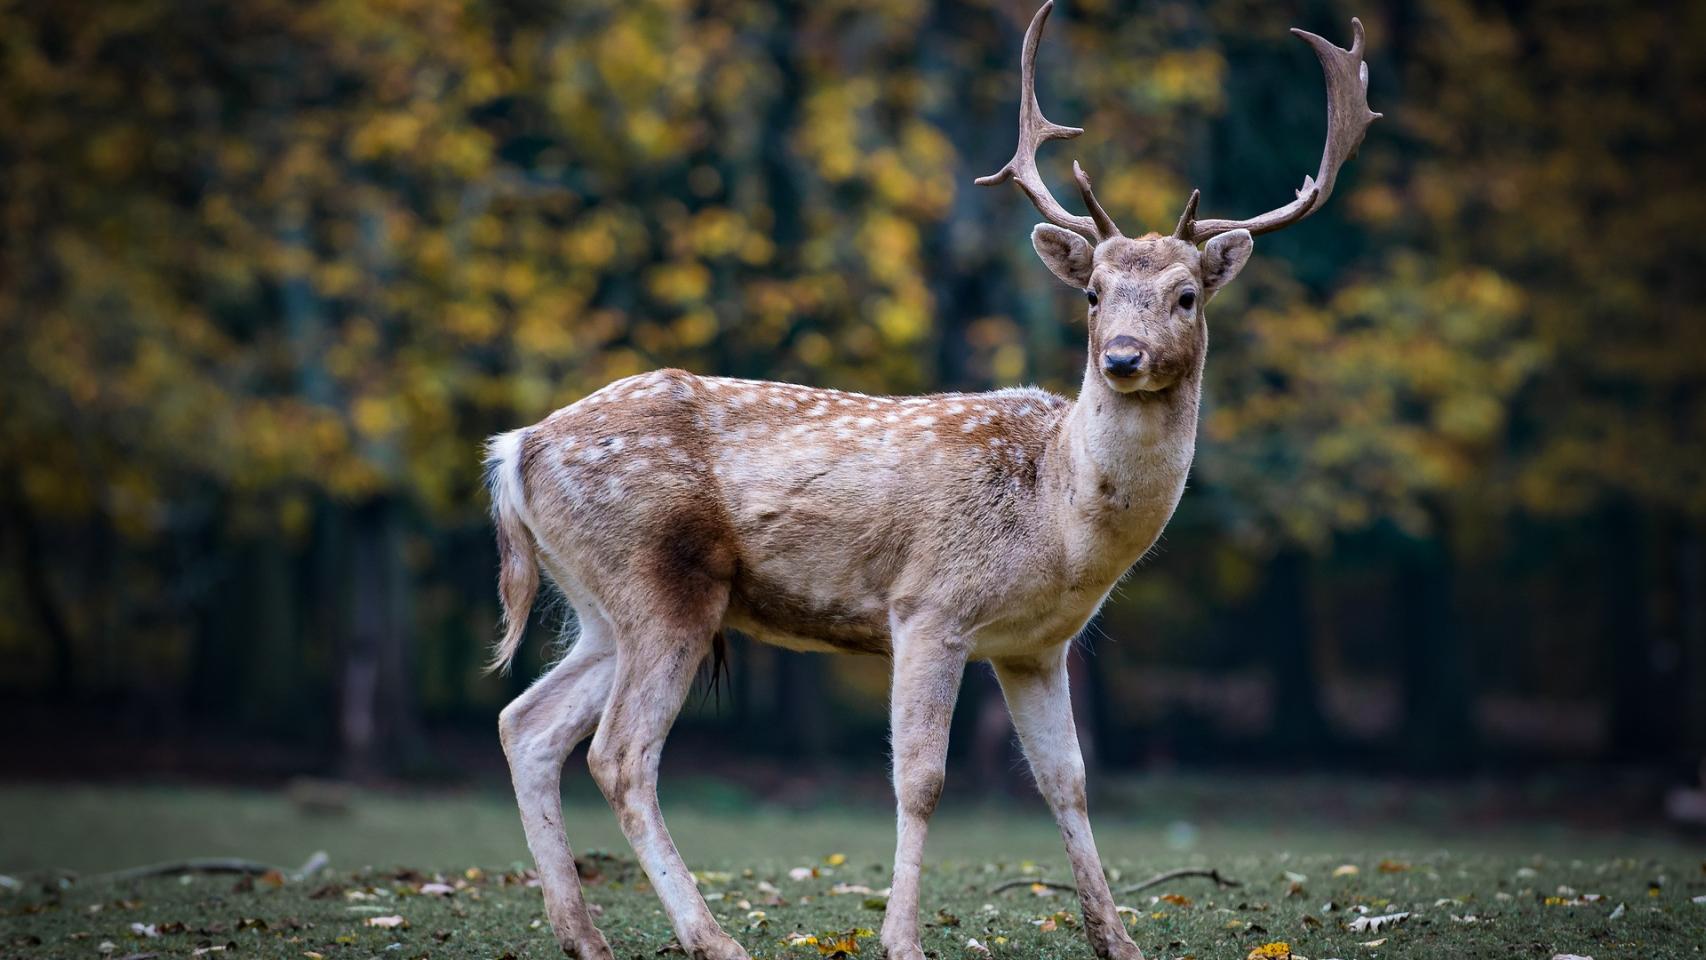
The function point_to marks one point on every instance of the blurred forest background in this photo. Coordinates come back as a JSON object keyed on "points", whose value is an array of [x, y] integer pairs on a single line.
{"points": [[272, 269]]}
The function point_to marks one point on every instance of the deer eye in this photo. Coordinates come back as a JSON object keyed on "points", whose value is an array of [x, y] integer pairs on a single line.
{"points": [[1188, 299], [1091, 296]]}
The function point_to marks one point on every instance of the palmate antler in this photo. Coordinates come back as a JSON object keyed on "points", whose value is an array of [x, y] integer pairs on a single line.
{"points": [[1034, 129], [1348, 118]]}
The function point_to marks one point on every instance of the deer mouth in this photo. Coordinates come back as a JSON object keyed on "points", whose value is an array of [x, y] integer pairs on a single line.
{"points": [[1144, 381]]}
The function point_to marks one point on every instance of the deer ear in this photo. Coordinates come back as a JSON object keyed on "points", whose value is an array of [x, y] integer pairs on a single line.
{"points": [[1066, 254], [1222, 258]]}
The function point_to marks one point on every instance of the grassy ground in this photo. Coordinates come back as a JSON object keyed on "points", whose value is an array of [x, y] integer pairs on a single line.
{"points": [[1532, 891]]}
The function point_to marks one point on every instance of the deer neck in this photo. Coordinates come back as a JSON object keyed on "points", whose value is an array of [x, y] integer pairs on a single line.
{"points": [[1123, 459]]}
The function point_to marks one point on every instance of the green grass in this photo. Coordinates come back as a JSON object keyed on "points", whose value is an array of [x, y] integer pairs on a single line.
{"points": [[1524, 884]]}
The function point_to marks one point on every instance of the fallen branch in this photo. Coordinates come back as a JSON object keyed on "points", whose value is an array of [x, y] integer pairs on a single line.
{"points": [[313, 865], [1160, 878], [1033, 882]]}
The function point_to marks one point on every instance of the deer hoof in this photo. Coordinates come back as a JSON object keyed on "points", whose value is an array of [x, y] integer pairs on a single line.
{"points": [[904, 951], [591, 946], [720, 947], [1120, 950]]}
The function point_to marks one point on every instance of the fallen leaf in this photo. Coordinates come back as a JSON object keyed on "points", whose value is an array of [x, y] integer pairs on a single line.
{"points": [[1047, 925], [1270, 951], [1569, 956], [1372, 943], [147, 931], [802, 873], [437, 889], [1346, 870], [271, 878], [388, 923], [972, 946], [842, 889], [843, 945], [1616, 914], [1176, 900], [835, 859], [1373, 924]]}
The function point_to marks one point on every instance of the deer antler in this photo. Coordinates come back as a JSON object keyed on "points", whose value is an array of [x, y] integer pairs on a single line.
{"points": [[1034, 129], [1348, 118]]}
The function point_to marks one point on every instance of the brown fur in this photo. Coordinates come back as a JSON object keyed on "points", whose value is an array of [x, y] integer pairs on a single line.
{"points": [[669, 507]]}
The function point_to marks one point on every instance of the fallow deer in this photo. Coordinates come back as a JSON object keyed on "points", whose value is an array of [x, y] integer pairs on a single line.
{"points": [[932, 530]]}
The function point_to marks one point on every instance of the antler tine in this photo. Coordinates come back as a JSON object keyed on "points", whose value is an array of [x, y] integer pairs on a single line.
{"points": [[1189, 217], [1036, 129], [1104, 223], [1348, 117]]}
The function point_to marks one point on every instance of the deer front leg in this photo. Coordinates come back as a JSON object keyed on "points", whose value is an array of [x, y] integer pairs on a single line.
{"points": [[1041, 705], [927, 668]]}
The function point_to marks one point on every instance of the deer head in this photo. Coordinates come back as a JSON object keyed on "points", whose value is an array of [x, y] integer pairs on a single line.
{"points": [[1146, 294]]}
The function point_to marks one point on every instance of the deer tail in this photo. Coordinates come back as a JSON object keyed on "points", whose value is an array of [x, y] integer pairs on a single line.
{"points": [[518, 568]]}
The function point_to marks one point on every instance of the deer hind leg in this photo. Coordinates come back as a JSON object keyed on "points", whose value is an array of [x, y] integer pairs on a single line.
{"points": [[1039, 698], [539, 729], [656, 664]]}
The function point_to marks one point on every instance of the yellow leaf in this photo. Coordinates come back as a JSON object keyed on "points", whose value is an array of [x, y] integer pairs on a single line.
{"points": [[1275, 951], [847, 944], [1348, 870], [835, 859]]}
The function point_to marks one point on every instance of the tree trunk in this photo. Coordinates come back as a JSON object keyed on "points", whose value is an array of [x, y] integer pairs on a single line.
{"points": [[802, 706], [378, 727], [1438, 734], [32, 574], [1298, 726], [1643, 724], [1691, 591]]}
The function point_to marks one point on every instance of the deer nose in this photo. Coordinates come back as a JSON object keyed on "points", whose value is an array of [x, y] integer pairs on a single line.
{"points": [[1125, 357]]}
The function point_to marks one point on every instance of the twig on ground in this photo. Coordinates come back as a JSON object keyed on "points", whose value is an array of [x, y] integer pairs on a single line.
{"points": [[313, 865], [1160, 878], [1033, 882]]}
